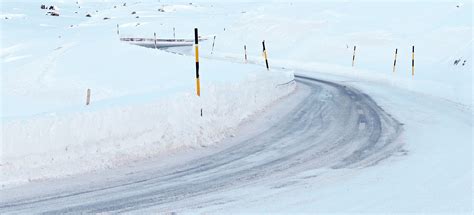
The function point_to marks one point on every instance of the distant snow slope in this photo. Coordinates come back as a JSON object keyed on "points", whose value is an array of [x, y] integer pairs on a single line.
{"points": [[321, 36]]}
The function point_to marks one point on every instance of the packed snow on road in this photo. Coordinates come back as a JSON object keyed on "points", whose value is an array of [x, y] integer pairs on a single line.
{"points": [[350, 107]]}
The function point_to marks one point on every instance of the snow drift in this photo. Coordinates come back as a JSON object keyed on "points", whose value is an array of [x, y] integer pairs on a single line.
{"points": [[143, 100]]}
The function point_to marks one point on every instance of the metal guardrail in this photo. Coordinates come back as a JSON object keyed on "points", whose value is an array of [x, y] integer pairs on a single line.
{"points": [[153, 40], [138, 39], [158, 43]]}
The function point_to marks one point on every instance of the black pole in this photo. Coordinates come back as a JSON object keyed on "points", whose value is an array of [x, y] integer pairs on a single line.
{"points": [[353, 56], [213, 41], [413, 61], [265, 54], [154, 34], [395, 60], [245, 52]]}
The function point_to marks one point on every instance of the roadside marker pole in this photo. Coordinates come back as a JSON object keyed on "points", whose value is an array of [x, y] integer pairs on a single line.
{"points": [[155, 39], [174, 33], [395, 60], [245, 52], [88, 97], [118, 31], [196, 54], [412, 61], [265, 54], [213, 41], [196, 51], [353, 56]]}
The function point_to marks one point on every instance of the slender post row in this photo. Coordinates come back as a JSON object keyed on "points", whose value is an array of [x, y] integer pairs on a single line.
{"points": [[395, 60], [265, 54], [353, 56]]}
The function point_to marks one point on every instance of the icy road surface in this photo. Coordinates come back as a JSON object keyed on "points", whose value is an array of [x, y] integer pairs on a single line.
{"points": [[323, 125]]}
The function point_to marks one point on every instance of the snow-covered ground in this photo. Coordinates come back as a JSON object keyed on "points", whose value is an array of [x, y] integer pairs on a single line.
{"points": [[321, 35], [143, 100]]}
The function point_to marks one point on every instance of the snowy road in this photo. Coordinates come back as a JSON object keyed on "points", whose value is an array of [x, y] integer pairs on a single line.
{"points": [[323, 125]]}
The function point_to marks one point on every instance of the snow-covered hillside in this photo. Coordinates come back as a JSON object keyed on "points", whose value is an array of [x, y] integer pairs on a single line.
{"points": [[320, 36], [144, 103]]}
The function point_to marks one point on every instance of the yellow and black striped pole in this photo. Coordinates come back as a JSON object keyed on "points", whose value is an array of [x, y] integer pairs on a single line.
{"points": [[395, 60], [196, 51], [353, 56], [413, 61], [245, 53], [265, 54]]}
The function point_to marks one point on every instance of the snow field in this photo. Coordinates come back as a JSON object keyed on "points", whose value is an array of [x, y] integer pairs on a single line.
{"points": [[320, 36], [143, 101], [432, 174]]}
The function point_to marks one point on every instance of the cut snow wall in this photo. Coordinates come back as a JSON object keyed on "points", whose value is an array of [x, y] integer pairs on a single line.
{"points": [[54, 145]]}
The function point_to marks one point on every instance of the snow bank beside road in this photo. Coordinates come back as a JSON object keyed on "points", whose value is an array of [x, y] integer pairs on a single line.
{"points": [[143, 100], [58, 144]]}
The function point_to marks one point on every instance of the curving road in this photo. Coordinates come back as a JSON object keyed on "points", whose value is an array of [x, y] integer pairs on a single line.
{"points": [[323, 125]]}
